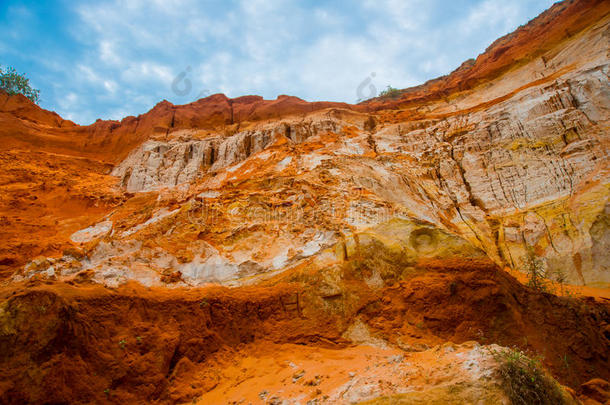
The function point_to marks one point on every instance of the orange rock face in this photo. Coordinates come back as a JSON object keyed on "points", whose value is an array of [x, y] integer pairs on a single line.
{"points": [[279, 251], [55, 178], [216, 345]]}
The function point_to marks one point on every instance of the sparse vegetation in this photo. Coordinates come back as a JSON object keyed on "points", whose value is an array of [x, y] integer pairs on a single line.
{"points": [[535, 271], [570, 293], [565, 362], [544, 280], [122, 343], [524, 380], [15, 83], [390, 92], [560, 277]]}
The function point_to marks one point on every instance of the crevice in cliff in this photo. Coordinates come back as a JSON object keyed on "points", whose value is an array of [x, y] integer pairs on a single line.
{"points": [[232, 119], [508, 200], [135, 130], [476, 235], [371, 142], [471, 199], [171, 123], [548, 231], [443, 185], [506, 248]]}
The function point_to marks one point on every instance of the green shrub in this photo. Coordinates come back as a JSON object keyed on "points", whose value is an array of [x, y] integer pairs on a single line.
{"points": [[524, 380], [390, 92], [535, 272], [15, 83]]}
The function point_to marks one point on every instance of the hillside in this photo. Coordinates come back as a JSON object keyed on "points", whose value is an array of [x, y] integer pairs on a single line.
{"points": [[280, 251]]}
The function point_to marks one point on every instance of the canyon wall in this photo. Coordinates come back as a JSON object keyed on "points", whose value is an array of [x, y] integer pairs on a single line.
{"points": [[280, 251], [509, 154]]}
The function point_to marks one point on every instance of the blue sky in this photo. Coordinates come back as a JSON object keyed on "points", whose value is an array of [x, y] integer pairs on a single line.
{"points": [[110, 59]]}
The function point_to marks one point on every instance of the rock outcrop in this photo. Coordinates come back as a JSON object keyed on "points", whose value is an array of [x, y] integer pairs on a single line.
{"points": [[390, 225], [186, 158], [296, 339], [517, 164]]}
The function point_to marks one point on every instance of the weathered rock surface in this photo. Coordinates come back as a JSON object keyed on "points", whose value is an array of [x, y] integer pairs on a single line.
{"points": [[448, 374], [294, 338], [157, 164], [374, 234], [519, 163]]}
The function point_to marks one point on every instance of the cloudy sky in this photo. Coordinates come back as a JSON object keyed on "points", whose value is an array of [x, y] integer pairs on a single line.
{"points": [[110, 59]]}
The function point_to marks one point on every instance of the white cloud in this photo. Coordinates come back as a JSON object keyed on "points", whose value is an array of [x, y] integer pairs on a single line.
{"points": [[108, 52], [134, 49], [147, 71], [89, 75], [495, 14], [110, 85]]}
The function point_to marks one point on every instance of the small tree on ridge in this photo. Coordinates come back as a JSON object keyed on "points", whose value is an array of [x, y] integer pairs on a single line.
{"points": [[15, 83]]}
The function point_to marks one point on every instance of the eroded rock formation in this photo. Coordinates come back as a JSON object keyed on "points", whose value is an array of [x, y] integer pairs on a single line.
{"points": [[386, 223]]}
